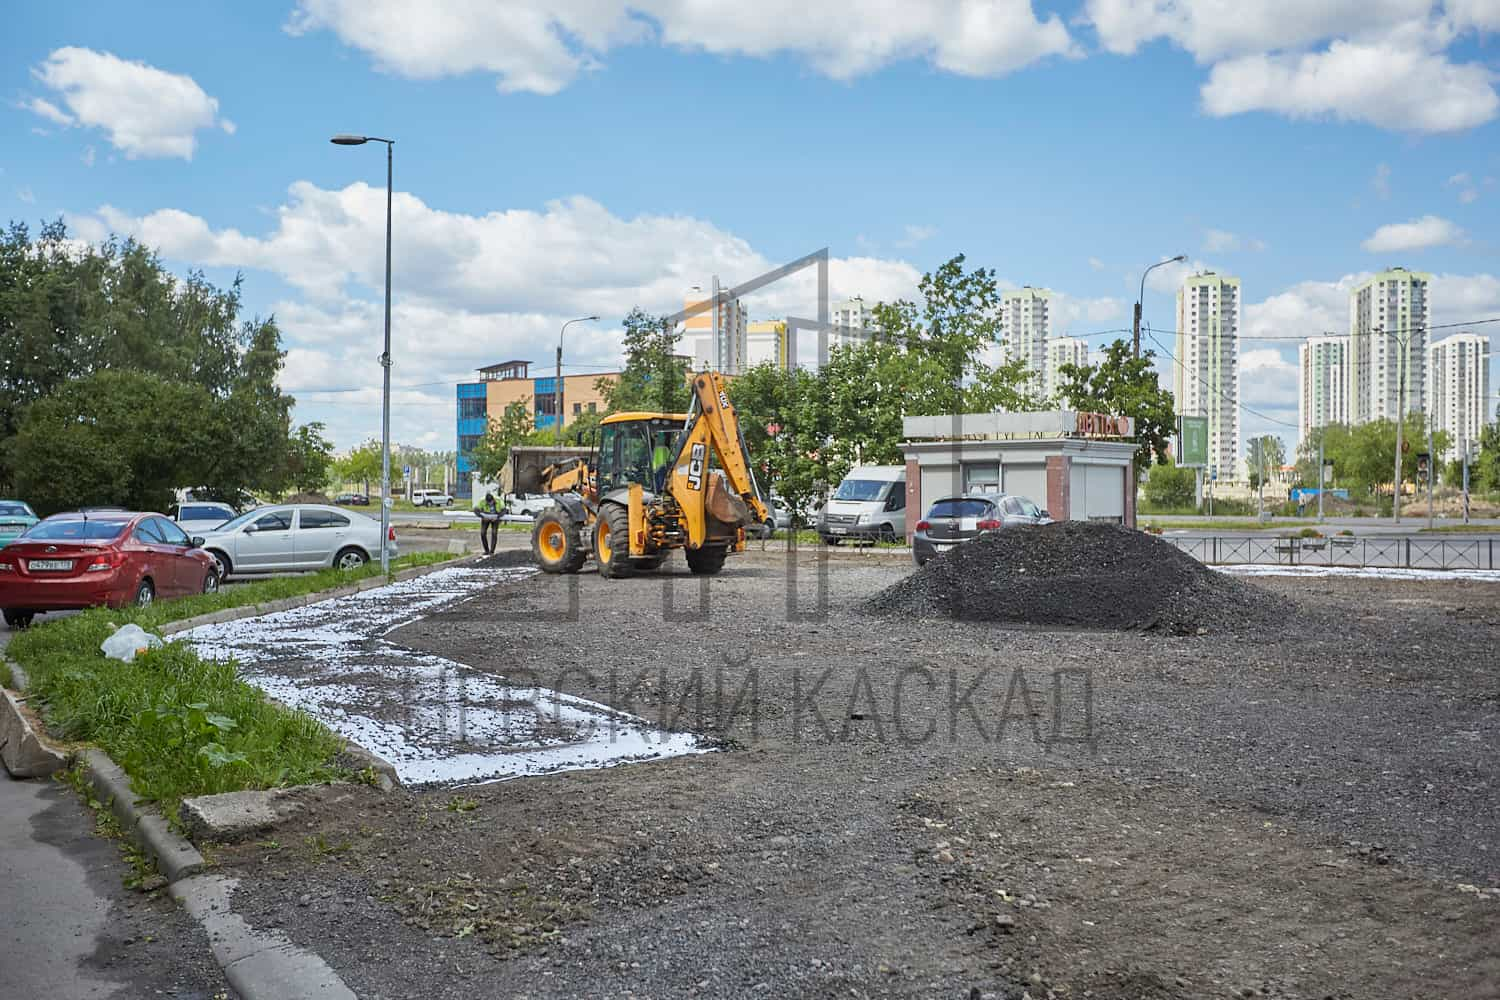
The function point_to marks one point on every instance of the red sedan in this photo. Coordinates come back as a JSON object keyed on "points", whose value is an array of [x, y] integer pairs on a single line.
{"points": [[91, 558]]}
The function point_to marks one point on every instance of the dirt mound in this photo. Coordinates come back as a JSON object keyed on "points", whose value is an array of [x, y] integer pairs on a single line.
{"points": [[1080, 574]]}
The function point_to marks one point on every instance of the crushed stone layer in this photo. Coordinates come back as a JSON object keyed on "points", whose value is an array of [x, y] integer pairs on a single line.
{"points": [[433, 719], [1077, 574]]}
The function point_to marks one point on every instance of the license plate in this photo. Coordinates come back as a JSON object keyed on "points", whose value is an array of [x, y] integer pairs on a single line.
{"points": [[944, 546], [52, 564], [839, 531]]}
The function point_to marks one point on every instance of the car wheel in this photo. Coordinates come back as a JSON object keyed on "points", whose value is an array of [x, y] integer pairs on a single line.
{"points": [[350, 558], [145, 593], [211, 582], [830, 540], [18, 620], [887, 533], [222, 564]]}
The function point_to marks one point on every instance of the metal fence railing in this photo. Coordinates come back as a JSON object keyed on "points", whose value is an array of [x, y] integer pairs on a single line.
{"points": [[1372, 552]]}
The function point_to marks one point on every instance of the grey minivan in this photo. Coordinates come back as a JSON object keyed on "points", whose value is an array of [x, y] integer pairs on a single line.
{"points": [[968, 515]]}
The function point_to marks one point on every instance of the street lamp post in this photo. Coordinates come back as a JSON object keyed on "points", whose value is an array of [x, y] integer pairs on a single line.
{"points": [[1135, 337], [559, 386], [385, 357]]}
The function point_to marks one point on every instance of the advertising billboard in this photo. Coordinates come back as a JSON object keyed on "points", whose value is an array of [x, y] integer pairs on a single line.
{"points": [[1192, 442]]}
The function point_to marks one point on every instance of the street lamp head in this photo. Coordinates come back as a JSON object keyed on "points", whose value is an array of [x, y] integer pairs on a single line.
{"points": [[591, 317], [343, 139], [1178, 259]]}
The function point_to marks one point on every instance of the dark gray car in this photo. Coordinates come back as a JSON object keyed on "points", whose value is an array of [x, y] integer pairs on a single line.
{"points": [[959, 518]]}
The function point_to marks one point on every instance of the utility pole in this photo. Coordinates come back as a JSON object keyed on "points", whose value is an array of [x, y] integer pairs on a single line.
{"points": [[1321, 476], [1400, 422], [1135, 336], [1465, 447], [558, 388], [1431, 468]]}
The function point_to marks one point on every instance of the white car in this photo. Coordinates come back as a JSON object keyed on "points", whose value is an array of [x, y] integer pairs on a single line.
{"points": [[198, 517], [527, 504], [430, 498], [296, 537]]}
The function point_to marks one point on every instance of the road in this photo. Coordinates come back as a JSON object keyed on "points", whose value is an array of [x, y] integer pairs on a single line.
{"points": [[72, 930]]}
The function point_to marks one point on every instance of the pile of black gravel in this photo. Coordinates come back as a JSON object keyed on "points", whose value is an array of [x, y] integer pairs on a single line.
{"points": [[1079, 574]]}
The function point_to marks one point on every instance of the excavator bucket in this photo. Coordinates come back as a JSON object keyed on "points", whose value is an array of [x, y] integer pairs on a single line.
{"points": [[723, 505]]}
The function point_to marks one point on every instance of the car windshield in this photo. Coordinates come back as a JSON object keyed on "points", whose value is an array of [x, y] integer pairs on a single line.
{"points": [[14, 508], [238, 522], [959, 508], [862, 489], [76, 531]]}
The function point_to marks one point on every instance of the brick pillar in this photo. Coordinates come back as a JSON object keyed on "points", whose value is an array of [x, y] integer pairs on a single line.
{"points": [[914, 510], [1059, 486], [1130, 494]]}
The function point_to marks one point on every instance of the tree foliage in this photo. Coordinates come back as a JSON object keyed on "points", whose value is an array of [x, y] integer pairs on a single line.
{"points": [[492, 451], [1364, 455], [1126, 385], [1169, 487], [1265, 455], [91, 333], [655, 375]]}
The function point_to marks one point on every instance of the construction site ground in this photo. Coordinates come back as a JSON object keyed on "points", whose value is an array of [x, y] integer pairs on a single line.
{"points": [[903, 808]]}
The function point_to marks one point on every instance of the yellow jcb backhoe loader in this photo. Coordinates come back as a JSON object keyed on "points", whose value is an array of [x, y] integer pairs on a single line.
{"points": [[656, 482]]}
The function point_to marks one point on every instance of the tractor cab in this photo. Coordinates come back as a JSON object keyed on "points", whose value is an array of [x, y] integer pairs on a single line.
{"points": [[637, 448]]}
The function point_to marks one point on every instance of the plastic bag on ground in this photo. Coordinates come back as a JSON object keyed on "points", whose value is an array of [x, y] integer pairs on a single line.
{"points": [[129, 642]]}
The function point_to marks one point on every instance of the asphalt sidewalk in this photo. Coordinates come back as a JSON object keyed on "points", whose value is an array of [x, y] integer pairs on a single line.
{"points": [[69, 928]]}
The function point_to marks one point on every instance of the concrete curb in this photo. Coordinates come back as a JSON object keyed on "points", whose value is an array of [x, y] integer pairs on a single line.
{"points": [[22, 750], [259, 965], [174, 857]]}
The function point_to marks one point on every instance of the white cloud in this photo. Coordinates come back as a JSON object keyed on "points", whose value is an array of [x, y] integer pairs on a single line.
{"points": [[89, 156], [147, 112], [1096, 263], [25, 196], [912, 235], [1468, 191], [1222, 241], [541, 47], [470, 289], [1384, 83], [1169, 277], [1418, 234], [1214, 29], [1268, 378], [48, 110], [1481, 14]]}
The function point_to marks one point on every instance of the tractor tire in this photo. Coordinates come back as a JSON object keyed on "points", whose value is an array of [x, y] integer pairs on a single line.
{"points": [[706, 561], [612, 542], [556, 544]]}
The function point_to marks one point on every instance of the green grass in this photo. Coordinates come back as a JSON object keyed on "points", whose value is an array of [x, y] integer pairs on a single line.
{"points": [[1463, 529], [180, 725]]}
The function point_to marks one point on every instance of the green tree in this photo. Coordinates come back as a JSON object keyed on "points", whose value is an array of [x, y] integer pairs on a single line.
{"points": [[1484, 473], [492, 451], [360, 465], [1170, 488], [785, 418], [1125, 385], [655, 375], [310, 459], [1266, 456]]}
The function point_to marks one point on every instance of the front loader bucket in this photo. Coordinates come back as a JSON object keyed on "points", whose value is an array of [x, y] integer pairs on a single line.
{"points": [[723, 505]]}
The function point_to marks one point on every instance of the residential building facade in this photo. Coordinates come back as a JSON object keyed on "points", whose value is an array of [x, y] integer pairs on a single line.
{"points": [[1206, 380], [853, 322], [1458, 389], [766, 341], [718, 346], [1322, 383], [1388, 319], [1062, 351], [1025, 326]]}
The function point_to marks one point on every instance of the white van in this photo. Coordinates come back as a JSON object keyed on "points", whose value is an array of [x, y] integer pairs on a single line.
{"points": [[870, 503], [430, 498]]}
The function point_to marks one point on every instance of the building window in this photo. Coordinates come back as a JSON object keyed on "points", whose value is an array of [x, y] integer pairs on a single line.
{"points": [[467, 443], [545, 404], [577, 409], [593, 408], [469, 409]]}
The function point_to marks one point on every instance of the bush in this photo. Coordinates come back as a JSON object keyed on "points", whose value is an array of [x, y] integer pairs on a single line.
{"points": [[1170, 489]]}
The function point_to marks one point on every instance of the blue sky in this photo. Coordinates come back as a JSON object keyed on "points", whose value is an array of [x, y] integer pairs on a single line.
{"points": [[559, 159]]}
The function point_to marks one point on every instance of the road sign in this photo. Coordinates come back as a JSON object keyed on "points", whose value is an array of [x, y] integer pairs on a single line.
{"points": [[1192, 451]]}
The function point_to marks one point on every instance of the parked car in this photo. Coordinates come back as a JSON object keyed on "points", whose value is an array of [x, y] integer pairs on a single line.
{"points": [[86, 559], [352, 500], [870, 503], [196, 518], [526, 504], [956, 519], [296, 537], [15, 517], [430, 498]]}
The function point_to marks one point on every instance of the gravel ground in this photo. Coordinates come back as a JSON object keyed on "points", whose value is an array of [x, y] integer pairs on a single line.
{"points": [[936, 808]]}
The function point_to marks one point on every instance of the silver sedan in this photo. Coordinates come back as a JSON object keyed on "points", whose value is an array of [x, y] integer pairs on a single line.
{"points": [[292, 537], [956, 519]]}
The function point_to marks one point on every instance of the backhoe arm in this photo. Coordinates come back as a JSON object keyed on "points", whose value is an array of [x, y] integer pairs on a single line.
{"points": [[713, 429]]}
